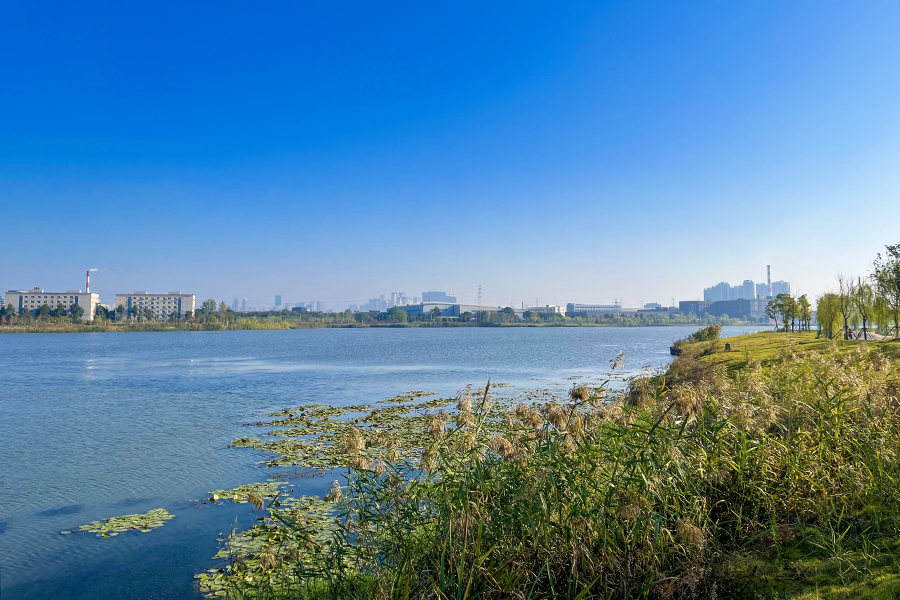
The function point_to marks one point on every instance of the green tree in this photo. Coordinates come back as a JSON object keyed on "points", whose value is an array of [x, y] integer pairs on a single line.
{"points": [[436, 313], [845, 302], [397, 315], [864, 302], [120, 311], [43, 312], [803, 311], [208, 310], [76, 312], [773, 309], [887, 282], [828, 313]]}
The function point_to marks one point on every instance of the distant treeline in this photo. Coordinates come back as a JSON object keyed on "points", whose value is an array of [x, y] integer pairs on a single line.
{"points": [[211, 316]]}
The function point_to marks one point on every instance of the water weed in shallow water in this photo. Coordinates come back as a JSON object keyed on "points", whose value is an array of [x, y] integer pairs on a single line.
{"points": [[113, 526]]}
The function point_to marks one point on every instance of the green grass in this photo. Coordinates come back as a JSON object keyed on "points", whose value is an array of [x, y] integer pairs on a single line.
{"points": [[767, 347]]}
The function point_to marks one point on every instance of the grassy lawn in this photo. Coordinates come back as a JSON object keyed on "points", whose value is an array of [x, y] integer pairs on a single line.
{"points": [[767, 347]]}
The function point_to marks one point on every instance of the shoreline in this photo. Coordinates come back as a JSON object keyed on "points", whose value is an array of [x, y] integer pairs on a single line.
{"points": [[199, 327]]}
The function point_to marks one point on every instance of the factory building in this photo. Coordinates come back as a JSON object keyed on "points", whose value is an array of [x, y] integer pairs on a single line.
{"points": [[161, 305], [450, 310], [592, 310], [35, 298], [549, 309]]}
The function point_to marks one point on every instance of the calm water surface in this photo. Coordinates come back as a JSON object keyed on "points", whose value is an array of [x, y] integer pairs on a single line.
{"points": [[99, 425]]}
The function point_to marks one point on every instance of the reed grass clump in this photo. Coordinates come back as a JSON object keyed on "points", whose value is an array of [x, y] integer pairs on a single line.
{"points": [[669, 490]]}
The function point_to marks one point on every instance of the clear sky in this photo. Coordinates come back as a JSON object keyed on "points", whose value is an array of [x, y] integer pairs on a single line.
{"points": [[564, 152]]}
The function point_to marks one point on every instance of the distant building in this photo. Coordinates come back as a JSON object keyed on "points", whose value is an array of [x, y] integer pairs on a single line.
{"points": [[36, 297], [592, 310], [758, 307], [160, 305], [693, 307], [739, 309], [234, 305], [653, 305], [353, 307], [433, 296], [780, 287], [450, 310], [244, 305], [318, 306], [762, 290], [379, 304], [549, 309], [277, 302], [299, 309]]}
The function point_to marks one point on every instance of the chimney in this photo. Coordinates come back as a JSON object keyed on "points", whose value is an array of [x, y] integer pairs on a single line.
{"points": [[769, 279], [88, 282]]}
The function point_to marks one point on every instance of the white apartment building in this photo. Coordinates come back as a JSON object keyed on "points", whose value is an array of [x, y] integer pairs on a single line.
{"points": [[161, 305], [35, 298]]}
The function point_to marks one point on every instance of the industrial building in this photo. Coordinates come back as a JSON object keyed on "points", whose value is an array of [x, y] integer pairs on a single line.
{"points": [[34, 298], [161, 305], [592, 310], [434, 296], [549, 309], [450, 310]]}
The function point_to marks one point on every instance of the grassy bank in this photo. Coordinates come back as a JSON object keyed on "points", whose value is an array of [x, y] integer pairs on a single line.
{"points": [[769, 471]]}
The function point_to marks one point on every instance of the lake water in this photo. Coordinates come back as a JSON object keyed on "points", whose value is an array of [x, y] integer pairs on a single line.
{"points": [[100, 425]]}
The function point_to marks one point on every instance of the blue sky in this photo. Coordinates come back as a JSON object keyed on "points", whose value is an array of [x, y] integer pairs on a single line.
{"points": [[335, 151]]}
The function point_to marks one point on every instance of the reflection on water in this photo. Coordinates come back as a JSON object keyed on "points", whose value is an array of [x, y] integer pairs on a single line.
{"points": [[99, 425]]}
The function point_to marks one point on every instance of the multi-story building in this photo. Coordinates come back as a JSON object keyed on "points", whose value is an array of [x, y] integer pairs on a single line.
{"points": [[592, 310], [160, 305], [780, 287], [549, 309], [35, 298], [433, 296]]}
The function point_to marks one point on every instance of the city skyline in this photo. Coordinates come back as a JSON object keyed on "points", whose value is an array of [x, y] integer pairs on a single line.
{"points": [[621, 150]]}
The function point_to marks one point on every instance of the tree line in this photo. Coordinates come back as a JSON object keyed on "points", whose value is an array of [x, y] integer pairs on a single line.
{"points": [[864, 303]]}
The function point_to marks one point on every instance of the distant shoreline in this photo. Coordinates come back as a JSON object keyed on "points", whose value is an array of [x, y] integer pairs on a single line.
{"points": [[199, 327]]}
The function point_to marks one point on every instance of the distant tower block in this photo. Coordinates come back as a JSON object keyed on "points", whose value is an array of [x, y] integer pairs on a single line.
{"points": [[769, 279]]}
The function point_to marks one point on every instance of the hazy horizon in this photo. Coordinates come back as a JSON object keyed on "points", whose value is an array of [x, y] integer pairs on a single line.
{"points": [[638, 151]]}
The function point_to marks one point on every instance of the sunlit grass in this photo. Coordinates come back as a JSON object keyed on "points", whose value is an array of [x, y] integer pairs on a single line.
{"points": [[769, 471]]}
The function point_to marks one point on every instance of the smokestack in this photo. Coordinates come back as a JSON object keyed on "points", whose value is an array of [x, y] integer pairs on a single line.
{"points": [[769, 279], [88, 282]]}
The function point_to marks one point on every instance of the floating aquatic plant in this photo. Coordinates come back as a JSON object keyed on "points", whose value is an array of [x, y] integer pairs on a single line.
{"points": [[113, 526]]}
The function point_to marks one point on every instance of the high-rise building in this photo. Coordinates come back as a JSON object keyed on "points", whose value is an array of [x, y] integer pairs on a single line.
{"points": [[244, 305], [434, 296], [277, 302], [234, 305], [780, 287], [318, 306]]}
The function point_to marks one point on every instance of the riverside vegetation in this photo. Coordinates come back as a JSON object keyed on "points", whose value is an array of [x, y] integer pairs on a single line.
{"points": [[210, 317], [767, 471]]}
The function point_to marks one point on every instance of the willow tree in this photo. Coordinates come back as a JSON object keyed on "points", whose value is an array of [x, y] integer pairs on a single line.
{"points": [[828, 313], [887, 282], [864, 303]]}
